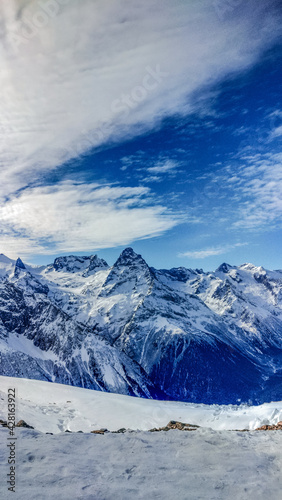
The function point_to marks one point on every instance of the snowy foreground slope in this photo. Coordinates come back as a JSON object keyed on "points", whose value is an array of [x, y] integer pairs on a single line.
{"points": [[206, 464], [178, 334], [201, 465], [50, 407]]}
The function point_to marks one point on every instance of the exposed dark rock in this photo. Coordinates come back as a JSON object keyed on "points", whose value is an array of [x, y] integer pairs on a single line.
{"points": [[274, 427], [22, 423], [176, 425], [20, 264], [100, 431]]}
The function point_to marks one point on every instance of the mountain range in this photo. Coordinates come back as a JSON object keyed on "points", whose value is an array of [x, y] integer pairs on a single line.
{"points": [[179, 334]]}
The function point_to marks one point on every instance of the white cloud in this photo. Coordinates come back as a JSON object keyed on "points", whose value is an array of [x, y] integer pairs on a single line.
{"points": [[152, 178], [277, 132], [259, 191], [247, 193], [274, 120], [73, 217], [163, 167], [106, 70], [210, 252]]}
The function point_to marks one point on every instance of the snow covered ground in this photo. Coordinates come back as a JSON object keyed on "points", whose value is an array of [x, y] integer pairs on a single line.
{"points": [[50, 407], [202, 465], [211, 463]]}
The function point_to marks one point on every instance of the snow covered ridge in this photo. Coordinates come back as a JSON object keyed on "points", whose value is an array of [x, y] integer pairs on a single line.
{"points": [[178, 334], [57, 408]]}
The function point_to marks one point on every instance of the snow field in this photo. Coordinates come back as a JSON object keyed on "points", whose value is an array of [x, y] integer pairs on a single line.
{"points": [[206, 464], [199, 465], [50, 407]]}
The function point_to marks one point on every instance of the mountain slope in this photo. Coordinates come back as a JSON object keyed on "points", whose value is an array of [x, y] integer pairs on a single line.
{"points": [[39, 340], [180, 333]]}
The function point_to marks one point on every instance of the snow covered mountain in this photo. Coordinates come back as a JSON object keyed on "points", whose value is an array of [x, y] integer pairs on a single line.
{"points": [[180, 334]]}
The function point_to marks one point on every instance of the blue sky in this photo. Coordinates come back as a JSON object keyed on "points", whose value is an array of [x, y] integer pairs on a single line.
{"points": [[156, 126]]}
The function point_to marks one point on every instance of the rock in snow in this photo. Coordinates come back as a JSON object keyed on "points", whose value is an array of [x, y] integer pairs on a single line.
{"points": [[178, 334]]}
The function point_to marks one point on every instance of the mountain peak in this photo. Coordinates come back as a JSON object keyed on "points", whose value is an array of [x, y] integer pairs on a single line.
{"points": [[128, 256], [78, 264], [252, 268], [4, 259], [128, 252], [95, 263], [20, 264], [67, 263], [223, 268]]}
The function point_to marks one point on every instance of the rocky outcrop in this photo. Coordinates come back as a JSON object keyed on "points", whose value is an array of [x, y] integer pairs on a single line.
{"points": [[274, 427], [100, 431], [176, 425], [22, 423]]}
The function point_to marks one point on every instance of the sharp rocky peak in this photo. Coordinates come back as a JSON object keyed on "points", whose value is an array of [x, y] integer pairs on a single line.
{"points": [[129, 257], [224, 268], [19, 264]]}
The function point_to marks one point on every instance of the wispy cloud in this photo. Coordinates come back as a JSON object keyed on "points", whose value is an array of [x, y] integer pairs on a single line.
{"points": [[80, 217], [276, 124], [164, 167], [247, 193], [210, 252], [160, 170], [149, 169], [105, 71], [259, 192], [277, 132]]}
